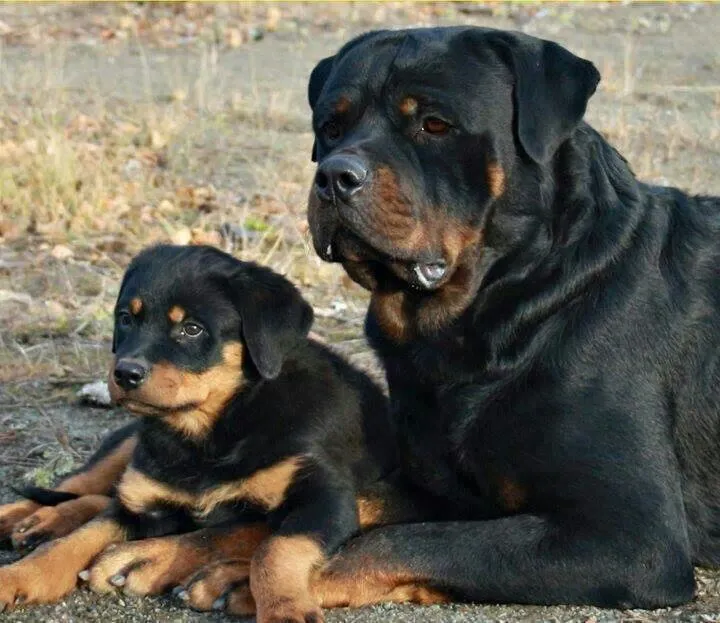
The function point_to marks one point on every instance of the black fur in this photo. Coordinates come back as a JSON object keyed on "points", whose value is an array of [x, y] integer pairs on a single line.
{"points": [[584, 368], [44, 496]]}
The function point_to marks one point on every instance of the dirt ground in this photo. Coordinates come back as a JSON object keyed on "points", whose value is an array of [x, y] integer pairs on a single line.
{"points": [[125, 124]]}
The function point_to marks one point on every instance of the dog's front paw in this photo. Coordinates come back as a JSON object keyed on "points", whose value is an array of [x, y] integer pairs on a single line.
{"points": [[23, 583], [291, 610], [221, 585], [12, 514], [147, 567]]}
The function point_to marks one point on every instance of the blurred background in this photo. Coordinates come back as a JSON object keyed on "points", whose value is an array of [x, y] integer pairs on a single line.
{"points": [[124, 124]]}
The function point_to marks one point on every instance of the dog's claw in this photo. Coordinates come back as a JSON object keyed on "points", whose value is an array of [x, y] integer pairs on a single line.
{"points": [[118, 580], [84, 575], [19, 600], [219, 603], [182, 594]]}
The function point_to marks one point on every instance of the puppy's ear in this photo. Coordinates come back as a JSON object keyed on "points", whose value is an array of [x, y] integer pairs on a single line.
{"points": [[318, 77], [275, 317], [552, 89]]}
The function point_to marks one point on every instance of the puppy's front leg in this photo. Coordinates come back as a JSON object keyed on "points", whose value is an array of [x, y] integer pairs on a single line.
{"points": [[51, 572]]}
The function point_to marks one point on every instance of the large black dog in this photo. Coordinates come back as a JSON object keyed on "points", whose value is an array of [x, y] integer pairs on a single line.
{"points": [[550, 325]]}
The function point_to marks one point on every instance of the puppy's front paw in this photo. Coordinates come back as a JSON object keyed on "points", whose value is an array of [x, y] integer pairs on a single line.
{"points": [[221, 585]]}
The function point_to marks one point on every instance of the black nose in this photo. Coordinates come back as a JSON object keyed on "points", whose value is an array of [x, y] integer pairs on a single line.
{"points": [[129, 373], [340, 177]]}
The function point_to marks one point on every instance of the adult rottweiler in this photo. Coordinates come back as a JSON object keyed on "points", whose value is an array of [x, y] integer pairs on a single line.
{"points": [[550, 325], [252, 444]]}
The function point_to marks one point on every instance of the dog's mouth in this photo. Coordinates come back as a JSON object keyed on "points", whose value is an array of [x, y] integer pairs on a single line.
{"points": [[138, 407], [373, 267], [136, 402]]}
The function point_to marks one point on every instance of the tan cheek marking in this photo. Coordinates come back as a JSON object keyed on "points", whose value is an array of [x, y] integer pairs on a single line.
{"points": [[408, 106], [176, 314], [266, 488], [136, 306], [495, 177], [218, 385]]}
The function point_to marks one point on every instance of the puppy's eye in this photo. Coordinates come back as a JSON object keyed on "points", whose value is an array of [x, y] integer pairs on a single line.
{"points": [[433, 125], [192, 329], [331, 130], [124, 319]]}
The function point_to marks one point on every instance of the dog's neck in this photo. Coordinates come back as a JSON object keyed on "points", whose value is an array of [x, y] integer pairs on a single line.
{"points": [[567, 224]]}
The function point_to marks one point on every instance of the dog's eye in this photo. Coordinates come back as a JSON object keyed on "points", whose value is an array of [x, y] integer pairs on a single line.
{"points": [[192, 329], [331, 131], [433, 125], [124, 319]]}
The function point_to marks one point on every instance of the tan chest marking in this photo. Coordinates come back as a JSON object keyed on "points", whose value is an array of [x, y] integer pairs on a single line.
{"points": [[266, 488]]}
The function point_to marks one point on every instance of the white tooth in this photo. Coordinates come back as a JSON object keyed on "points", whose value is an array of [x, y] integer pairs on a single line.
{"points": [[421, 276], [328, 251]]}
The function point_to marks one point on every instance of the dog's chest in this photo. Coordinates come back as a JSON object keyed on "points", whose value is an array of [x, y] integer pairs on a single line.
{"points": [[265, 489]]}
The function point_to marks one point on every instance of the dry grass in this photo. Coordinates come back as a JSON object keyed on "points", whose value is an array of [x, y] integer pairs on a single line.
{"points": [[87, 177]]}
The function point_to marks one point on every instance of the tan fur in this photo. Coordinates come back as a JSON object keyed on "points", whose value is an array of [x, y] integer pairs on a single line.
{"points": [[495, 178], [11, 514], [176, 314], [392, 212], [408, 106], [371, 511], [136, 306], [100, 477], [280, 578], [266, 488], [512, 494], [55, 521], [152, 566], [342, 105], [50, 573], [212, 581], [190, 402], [363, 586], [388, 309]]}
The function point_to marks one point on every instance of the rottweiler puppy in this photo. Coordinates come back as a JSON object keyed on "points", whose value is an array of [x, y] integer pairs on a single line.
{"points": [[550, 325], [252, 444]]}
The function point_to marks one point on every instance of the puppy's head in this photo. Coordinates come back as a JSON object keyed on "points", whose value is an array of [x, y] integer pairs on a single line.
{"points": [[193, 326], [420, 137]]}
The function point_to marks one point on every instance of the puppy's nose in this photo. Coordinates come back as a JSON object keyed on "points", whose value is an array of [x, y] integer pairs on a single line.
{"points": [[340, 177], [130, 373]]}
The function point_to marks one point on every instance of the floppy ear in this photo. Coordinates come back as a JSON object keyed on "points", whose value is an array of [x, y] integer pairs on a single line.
{"points": [[318, 77], [552, 89], [275, 317]]}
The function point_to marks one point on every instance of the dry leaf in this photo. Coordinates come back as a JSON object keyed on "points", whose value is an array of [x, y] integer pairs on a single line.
{"points": [[61, 252]]}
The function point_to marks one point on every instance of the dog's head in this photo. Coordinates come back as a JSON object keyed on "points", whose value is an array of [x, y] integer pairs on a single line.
{"points": [[193, 325], [418, 136]]}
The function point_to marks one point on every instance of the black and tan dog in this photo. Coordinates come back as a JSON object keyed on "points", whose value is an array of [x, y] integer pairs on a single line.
{"points": [[252, 444], [550, 325]]}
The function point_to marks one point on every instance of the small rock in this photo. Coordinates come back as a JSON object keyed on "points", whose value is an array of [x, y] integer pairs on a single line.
{"points": [[61, 252], [182, 236], [96, 394]]}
